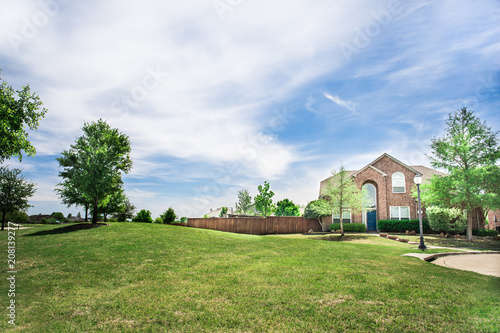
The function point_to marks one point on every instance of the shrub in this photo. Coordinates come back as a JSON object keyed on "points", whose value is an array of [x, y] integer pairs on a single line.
{"points": [[59, 216], [158, 220], [484, 232], [450, 220], [18, 217], [143, 216], [402, 225], [349, 227], [168, 216], [184, 219]]}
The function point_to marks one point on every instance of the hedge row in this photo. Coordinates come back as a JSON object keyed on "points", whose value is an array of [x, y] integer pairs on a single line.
{"points": [[484, 232], [349, 227], [402, 225]]}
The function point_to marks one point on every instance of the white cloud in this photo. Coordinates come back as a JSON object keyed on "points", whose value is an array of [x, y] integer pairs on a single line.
{"points": [[188, 86], [340, 102]]}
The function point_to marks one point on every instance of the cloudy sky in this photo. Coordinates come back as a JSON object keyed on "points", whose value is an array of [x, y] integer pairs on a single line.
{"points": [[222, 95]]}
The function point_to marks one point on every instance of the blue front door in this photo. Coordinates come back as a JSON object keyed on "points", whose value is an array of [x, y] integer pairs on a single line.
{"points": [[371, 220]]}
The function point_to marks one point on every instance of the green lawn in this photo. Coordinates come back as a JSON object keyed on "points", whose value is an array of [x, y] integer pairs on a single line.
{"points": [[160, 278]]}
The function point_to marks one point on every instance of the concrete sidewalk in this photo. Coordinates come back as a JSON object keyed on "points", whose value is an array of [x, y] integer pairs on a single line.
{"points": [[486, 263]]}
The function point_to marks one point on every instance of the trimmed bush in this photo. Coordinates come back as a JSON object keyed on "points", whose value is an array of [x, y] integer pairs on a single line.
{"points": [[143, 216], [484, 232], [448, 220], [402, 225], [158, 220], [349, 227]]}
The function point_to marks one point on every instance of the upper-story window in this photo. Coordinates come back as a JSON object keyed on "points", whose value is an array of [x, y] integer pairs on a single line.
{"points": [[398, 182]]}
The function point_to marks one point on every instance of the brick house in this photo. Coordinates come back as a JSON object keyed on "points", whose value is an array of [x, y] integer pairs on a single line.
{"points": [[494, 220], [389, 183]]}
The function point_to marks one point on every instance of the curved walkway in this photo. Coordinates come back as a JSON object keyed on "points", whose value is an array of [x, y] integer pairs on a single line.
{"points": [[486, 263]]}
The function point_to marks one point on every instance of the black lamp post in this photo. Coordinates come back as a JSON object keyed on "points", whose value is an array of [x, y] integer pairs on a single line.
{"points": [[418, 181]]}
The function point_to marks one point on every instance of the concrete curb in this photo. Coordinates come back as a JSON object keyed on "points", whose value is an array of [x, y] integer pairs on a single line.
{"points": [[433, 257]]}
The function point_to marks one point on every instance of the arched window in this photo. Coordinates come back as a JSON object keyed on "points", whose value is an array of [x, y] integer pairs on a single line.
{"points": [[398, 182], [370, 198]]}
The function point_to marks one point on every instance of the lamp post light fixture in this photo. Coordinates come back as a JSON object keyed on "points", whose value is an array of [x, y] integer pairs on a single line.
{"points": [[418, 181]]}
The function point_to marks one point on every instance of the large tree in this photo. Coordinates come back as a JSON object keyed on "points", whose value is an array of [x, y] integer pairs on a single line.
{"points": [[244, 203], [19, 110], [14, 191], [468, 151], [342, 195], [286, 207], [70, 195], [263, 200], [95, 163]]}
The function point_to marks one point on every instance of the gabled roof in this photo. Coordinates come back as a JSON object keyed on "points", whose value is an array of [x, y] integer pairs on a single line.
{"points": [[392, 158], [425, 172], [371, 167]]}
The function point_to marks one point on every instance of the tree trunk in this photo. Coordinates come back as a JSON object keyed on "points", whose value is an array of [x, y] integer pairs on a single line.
{"points": [[324, 226], [469, 226], [95, 215], [341, 226], [3, 220], [86, 213]]}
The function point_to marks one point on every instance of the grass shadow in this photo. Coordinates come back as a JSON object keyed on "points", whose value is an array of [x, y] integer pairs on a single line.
{"points": [[66, 229], [345, 238]]}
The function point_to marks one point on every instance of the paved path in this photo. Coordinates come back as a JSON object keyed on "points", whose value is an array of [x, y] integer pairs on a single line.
{"points": [[479, 262], [486, 264]]}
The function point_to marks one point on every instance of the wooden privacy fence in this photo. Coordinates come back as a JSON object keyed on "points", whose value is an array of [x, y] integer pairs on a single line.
{"points": [[257, 225]]}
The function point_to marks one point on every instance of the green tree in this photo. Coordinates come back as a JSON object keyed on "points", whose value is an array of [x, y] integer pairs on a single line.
{"points": [[223, 211], [125, 211], [286, 207], [114, 203], [70, 195], [93, 166], [18, 217], [244, 203], [468, 151], [19, 110], [263, 200], [318, 209], [14, 191], [143, 216], [168, 216], [342, 194], [59, 216]]}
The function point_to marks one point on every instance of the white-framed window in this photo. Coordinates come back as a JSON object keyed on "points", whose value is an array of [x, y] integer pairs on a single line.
{"points": [[370, 196], [346, 217], [398, 182], [400, 213]]}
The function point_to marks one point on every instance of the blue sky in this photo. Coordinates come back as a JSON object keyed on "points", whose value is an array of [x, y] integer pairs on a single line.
{"points": [[222, 95]]}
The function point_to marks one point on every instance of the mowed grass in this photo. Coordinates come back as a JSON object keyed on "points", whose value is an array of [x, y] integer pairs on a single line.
{"points": [[129, 277]]}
